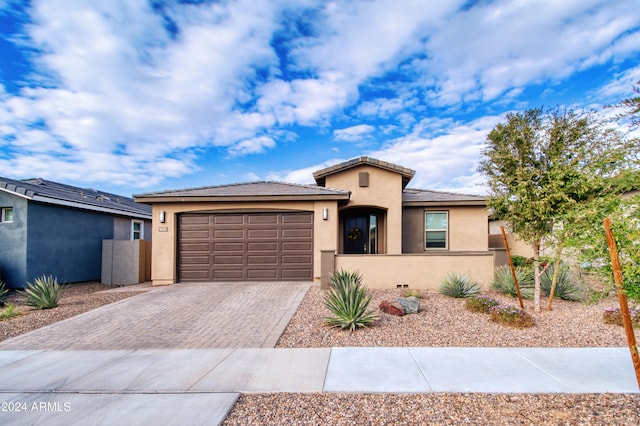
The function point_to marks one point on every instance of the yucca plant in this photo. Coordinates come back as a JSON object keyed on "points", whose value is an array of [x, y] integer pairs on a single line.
{"points": [[4, 293], [503, 281], [43, 293], [567, 288], [458, 285], [348, 301], [342, 278]]}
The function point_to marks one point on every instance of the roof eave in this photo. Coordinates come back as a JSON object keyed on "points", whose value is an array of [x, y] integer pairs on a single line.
{"points": [[55, 201], [236, 198], [481, 203]]}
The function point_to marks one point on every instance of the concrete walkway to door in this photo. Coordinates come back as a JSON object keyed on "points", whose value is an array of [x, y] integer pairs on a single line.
{"points": [[181, 316]]}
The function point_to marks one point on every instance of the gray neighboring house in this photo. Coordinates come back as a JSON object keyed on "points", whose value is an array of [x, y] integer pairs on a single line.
{"points": [[49, 228]]}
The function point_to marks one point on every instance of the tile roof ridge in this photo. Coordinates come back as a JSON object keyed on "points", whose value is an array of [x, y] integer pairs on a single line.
{"points": [[442, 192]]}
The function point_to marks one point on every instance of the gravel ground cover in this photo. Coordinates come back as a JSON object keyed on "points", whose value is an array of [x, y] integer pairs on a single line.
{"points": [[444, 321], [75, 299], [434, 409]]}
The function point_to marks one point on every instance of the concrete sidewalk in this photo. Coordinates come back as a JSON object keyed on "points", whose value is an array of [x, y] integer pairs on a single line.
{"points": [[200, 386]]}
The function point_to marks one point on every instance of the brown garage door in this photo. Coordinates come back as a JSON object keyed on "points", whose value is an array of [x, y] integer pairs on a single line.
{"points": [[245, 247]]}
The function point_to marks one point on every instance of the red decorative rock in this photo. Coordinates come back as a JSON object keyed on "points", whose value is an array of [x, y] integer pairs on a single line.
{"points": [[391, 308]]}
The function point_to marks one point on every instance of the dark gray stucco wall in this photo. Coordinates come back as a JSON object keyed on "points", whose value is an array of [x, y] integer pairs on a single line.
{"points": [[122, 228], [13, 242], [413, 230], [65, 242]]}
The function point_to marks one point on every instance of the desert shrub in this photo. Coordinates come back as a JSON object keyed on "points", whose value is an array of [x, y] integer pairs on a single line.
{"points": [[43, 293], [4, 293], [567, 287], [613, 316], [348, 301], [480, 303], [503, 281], [413, 293], [458, 285], [521, 261], [9, 312], [511, 316], [631, 281]]}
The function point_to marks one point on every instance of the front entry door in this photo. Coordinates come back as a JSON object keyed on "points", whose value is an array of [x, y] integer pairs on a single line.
{"points": [[360, 234], [355, 235]]}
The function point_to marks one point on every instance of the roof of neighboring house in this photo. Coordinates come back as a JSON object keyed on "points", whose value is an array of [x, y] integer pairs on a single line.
{"points": [[46, 191], [321, 175], [251, 191], [424, 197]]}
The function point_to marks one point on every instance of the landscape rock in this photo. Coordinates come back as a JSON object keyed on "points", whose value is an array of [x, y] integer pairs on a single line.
{"points": [[410, 305], [392, 308]]}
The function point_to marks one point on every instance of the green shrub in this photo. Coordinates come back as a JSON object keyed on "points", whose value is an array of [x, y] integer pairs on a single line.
{"points": [[503, 281], [567, 288], [413, 293], [511, 316], [9, 312], [521, 261], [348, 301], [480, 303], [43, 293], [4, 293], [458, 286]]}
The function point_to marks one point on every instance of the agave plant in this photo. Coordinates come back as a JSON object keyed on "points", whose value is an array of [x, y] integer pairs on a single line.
{"points": [[567, 288], [458, 285], [4, 292], [43, 293], [348, 302], [503, 281]]}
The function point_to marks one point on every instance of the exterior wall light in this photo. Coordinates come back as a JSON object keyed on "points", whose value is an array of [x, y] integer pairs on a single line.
{"points": [[325, 213], [162, 216]]}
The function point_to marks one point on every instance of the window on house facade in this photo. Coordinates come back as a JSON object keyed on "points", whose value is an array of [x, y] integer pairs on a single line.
{"points": [[436, 230], [137, 230], [7, 214]]}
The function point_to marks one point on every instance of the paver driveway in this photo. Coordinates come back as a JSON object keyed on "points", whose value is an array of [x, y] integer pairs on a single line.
{"points": [[181, 316]]}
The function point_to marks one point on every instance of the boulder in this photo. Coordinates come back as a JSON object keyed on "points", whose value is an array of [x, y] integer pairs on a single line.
{"points": [[392, 308], [410, 305]]}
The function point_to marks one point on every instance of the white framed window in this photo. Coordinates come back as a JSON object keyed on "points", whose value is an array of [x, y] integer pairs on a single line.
{"points": [[436, 230], [137, 230], [6, 215]]}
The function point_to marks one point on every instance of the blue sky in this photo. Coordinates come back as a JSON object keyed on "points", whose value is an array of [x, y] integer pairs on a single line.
{"points": [[140, 96]]}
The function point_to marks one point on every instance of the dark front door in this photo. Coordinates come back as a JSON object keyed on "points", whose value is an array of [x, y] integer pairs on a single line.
{"points": [[356, 234]]}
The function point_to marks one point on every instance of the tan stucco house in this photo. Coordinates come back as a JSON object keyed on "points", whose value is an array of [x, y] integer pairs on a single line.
{"points": [[360, 215]]}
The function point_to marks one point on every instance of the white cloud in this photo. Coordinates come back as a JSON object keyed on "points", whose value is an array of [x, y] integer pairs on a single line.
{"points": [[354, 133], [500, 45], [252, 146], [133, 93], [444, 154]]}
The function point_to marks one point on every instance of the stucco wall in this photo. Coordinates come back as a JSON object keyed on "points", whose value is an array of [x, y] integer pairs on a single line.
{"points": [[65, 243], [13, 242], [467, 229], [384, 191], [122, 228], [164, 235], [417, 271]]}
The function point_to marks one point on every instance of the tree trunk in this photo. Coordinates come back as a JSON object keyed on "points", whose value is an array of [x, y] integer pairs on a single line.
{"points": [[536, 276], [555, 276]]}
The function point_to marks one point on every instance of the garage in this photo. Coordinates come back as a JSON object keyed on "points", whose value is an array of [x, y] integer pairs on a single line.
{"points": [[275, 246]]}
